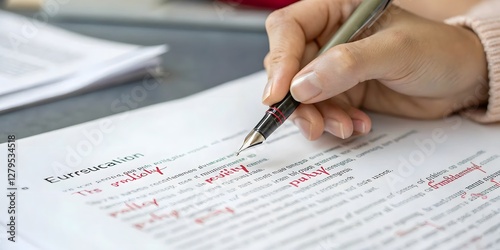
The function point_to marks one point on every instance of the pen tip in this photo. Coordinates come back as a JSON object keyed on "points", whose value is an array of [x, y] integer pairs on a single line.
{"points": [[254, 138]]}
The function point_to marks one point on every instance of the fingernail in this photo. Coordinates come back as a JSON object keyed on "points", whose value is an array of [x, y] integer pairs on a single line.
{"points": [[267, 91], [335, 128], [305, 87], [304, 126], [359, 126]]}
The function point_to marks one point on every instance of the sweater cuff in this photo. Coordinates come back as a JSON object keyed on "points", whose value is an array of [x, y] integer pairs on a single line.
{"points": [[488, 31]]}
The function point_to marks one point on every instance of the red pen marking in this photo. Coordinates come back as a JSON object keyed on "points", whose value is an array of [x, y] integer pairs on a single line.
{"points": [[134, 176], [88, 192], [496, 183], [474, 195], [451, 178], [479, 195], [307, 176], [273, 114], [154, 218], [130, 207], [416, 227], [226, 172], [215, 213], [434, 226]]}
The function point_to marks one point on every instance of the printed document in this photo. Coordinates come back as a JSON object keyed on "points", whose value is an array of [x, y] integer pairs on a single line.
{"points": [[167, 177]]}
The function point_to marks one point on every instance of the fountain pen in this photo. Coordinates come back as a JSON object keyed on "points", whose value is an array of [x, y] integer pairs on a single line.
{"points": [[361, 19]]}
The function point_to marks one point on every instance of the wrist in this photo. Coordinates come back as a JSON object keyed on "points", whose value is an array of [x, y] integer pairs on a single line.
{"points": [[475, 70], [487, 29]]}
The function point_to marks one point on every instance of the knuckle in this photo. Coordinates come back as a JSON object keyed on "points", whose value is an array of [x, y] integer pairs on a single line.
{"points": [[266, 60], [276, 18], [277, 55], [401, 39], [321, 81], [345, 59]]}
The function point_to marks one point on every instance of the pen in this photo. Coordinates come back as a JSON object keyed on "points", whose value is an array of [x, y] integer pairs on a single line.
{"points": [[362, 18]]}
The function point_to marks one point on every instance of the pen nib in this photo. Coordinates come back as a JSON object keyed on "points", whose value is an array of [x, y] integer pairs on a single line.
{"points": [[254, 138]]}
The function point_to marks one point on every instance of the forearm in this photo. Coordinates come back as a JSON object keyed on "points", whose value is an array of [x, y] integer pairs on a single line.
{"points": [[21, 4], [484, 21]]}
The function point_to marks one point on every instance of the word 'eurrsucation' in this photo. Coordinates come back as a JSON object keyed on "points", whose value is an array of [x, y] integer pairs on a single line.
{"points": [[113, 163]]}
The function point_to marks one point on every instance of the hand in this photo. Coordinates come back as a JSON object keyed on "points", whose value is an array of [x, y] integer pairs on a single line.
{"points": [[404, 65]]}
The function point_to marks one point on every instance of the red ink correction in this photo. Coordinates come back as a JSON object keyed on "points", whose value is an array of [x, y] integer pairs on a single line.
{"points": [[402, 233], [130, 207], [479, 195], [156, 217], [88, 192], [134, 176], [433, 225], [451, 178], [226, 172], [463, 196], [496, 183], [309, 176], [213, 214]]}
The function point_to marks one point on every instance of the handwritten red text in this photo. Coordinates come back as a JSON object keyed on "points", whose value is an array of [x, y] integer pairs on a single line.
{"points": [[130, 207], [215, 213], [88, 192], [496, 182], [402, 233], [478, 195], [134, 176], [226, 172], [451, 178], [309, 176], [155, 218]]}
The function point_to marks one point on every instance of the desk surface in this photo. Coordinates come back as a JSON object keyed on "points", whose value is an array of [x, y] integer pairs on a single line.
{"points": [[198, 59]]}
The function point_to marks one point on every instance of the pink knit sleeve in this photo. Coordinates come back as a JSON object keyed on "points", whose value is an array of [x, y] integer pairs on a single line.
{"points": [[484, 20]]}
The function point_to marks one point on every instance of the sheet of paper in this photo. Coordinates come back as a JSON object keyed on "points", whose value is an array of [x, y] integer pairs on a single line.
{"points": [[33, 53], [137, 64], [166, 177], [40, 62]]}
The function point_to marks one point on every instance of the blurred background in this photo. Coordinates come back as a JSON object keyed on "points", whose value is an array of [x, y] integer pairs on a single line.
{"points": [[239, 14], [210, 42]]}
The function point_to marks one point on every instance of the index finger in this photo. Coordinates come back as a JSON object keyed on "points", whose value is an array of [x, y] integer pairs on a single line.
{"points": [[289, 29]]}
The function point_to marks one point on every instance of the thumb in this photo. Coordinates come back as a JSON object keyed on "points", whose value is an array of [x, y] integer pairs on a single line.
{"points": [[380, 56]]}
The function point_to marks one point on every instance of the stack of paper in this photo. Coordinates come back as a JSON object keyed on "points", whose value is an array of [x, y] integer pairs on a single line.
{"points": [[40, 62]]}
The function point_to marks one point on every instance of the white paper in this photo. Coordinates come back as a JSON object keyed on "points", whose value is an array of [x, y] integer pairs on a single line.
{"points": [[142, 59], [166, 177], [39, 62]]}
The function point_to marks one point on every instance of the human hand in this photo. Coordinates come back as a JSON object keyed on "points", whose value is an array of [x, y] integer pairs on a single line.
{"points": [[404, 65]]}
